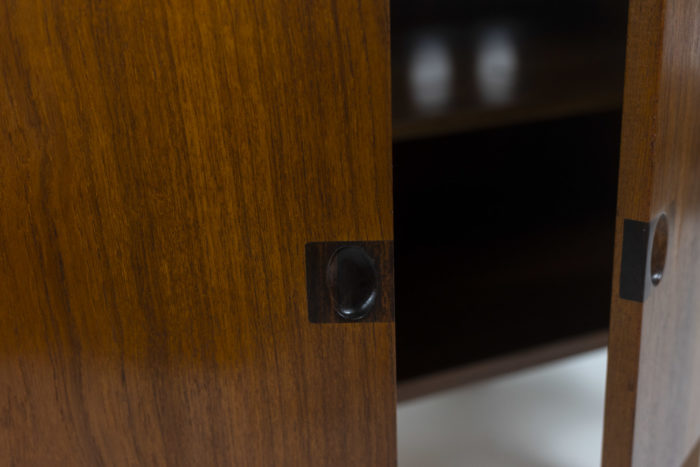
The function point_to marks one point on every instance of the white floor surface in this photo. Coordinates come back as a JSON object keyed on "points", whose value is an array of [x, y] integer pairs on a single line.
{"points": [[547, 416]]}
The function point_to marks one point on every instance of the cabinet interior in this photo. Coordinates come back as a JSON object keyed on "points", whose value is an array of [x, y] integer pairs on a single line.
{"points": [[506, 122]]}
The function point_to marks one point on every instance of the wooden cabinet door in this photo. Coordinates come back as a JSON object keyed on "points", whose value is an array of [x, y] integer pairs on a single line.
{"points": [[653, 392], [163, 165]]}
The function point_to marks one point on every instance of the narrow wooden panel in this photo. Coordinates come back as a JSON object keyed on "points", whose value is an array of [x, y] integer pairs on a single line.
{"points": [[653, 399], [162, 166]]}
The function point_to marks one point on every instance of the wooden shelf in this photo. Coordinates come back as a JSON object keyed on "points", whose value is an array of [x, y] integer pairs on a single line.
{"points": [[491, 367], [450, 77]]}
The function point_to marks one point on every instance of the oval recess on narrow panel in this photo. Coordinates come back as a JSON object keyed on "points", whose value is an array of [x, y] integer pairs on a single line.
{"points": [[658, 250], [352, 280]]}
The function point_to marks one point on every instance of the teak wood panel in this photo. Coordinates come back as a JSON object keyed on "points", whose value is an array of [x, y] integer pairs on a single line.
{"points": [[653, 392], [162, 165]]}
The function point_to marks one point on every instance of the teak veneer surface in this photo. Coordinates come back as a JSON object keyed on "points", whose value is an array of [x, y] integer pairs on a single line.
{"points": [[653, 390], [162, 165]]}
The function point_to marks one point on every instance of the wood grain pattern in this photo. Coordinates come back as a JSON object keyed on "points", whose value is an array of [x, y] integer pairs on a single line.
{"points": [[162, 166], [653, 393]]}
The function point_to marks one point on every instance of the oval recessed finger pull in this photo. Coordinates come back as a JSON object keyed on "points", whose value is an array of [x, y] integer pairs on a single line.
{"points": [[658, 250], [352, 280]]}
